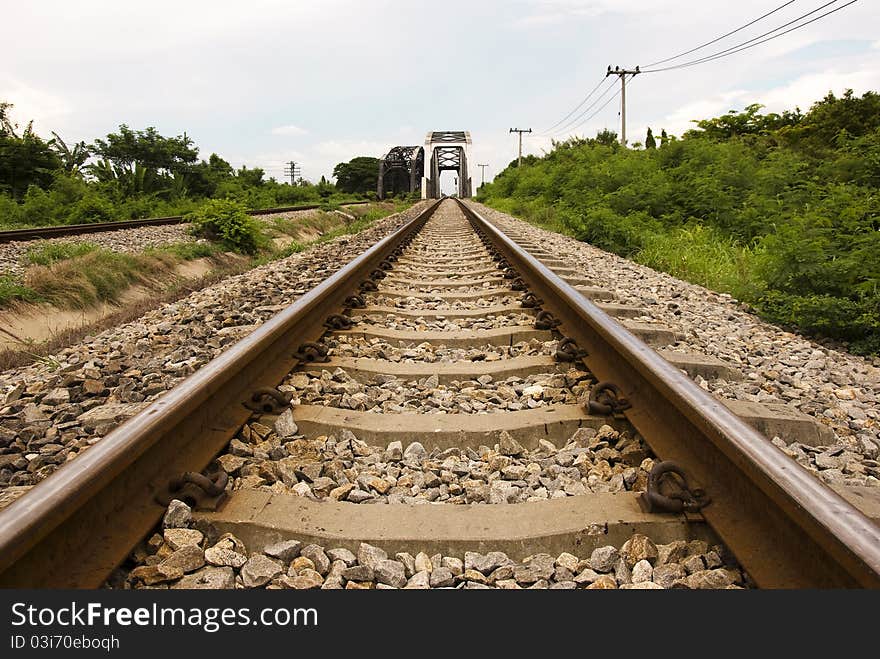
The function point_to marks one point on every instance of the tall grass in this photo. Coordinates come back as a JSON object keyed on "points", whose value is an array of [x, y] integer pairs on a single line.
{"points": [[99, 276], [704, 256], [11, 290], [47, 253]]}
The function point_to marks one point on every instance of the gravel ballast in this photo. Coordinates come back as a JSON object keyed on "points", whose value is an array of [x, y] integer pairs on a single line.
{"points": [[55, 409], [179, 556], [837, 388]]}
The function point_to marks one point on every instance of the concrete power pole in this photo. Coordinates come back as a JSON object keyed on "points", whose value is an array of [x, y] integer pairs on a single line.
{"points": [[520, 131], [291, 169], [482, 173], [622, 73]]}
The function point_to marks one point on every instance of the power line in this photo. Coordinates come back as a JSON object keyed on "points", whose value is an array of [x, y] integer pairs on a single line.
{"points": [[717, 39], [520, 131], [622, 73], [743, 46], [586, 98], [603, 106], [553, 129], [567, 127], [292, 170], [483, 171]]}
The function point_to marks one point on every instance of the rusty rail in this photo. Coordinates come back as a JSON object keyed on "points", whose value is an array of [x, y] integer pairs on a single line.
{"points": [[786, 528], [99, 506], [36, 233]]}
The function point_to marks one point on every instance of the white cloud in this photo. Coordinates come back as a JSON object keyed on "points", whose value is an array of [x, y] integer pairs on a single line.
{"points": [[801, 92], [807, 89], [595, 7], [30, 103], [548, 12], [682, 118], [289, 130], [347, 149]]}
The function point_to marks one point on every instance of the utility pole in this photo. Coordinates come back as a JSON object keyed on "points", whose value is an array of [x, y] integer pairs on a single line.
{"points": [[292, 170], [622, 73], [520, 131], [483, 173]]}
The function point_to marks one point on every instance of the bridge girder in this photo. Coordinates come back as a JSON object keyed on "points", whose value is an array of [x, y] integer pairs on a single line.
{"points": [[446, 150], [401, 169]]}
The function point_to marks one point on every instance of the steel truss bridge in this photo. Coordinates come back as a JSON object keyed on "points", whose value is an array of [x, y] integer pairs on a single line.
{"points": [[418, 169]]}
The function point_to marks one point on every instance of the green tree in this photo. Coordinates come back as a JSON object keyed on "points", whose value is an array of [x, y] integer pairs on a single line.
{"points": [[203, 178], [833, 117], [650, 142], [748, 122], [25, 159], [250, 177], [143, 160], [606, 137], [358, 175], [324, 188]]}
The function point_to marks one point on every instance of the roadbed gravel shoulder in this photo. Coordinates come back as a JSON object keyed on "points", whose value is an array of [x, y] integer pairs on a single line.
{"points": [[839, 389], [55, 409]]}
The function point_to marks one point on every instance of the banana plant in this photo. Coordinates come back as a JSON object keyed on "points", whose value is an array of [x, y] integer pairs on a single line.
{"points": [[72, 159]]}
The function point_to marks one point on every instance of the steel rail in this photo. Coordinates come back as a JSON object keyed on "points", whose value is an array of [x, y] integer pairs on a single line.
{"points": [[72, 529], [36, 233], [787, 529]]}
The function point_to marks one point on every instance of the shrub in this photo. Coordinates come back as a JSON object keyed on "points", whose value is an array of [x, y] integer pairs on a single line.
{"points": [[10, 212], [38, 208], [856, 321], [752, 205], [226, 221]]}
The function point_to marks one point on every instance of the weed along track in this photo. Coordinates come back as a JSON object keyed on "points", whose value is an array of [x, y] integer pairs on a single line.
{"points": [[454, 408]]}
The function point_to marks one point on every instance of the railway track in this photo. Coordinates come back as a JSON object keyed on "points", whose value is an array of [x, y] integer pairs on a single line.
{"points": [[446, 365], [37, 233]]}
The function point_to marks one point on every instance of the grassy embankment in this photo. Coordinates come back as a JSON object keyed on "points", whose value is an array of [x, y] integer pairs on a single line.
{"points": [[79, 275], [780, 211]]}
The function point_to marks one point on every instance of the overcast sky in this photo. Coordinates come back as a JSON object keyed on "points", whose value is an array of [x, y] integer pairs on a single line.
{"points": [[266, 81]]}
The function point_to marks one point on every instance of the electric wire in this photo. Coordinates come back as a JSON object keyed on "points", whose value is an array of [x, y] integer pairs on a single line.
{"points": [[586, 98], [745, 45], [567, 126], [598, 110], [723, 36]]}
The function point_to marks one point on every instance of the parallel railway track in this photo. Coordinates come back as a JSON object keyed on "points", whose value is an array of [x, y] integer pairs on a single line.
{"points": [[38, 233], [463, 289]]}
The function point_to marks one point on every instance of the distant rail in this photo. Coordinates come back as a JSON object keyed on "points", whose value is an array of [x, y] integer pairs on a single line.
{"points": [[36, 233]]}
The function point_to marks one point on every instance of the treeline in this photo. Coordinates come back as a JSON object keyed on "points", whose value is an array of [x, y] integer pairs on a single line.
{"points": [[780, 210], [131, 174]]}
